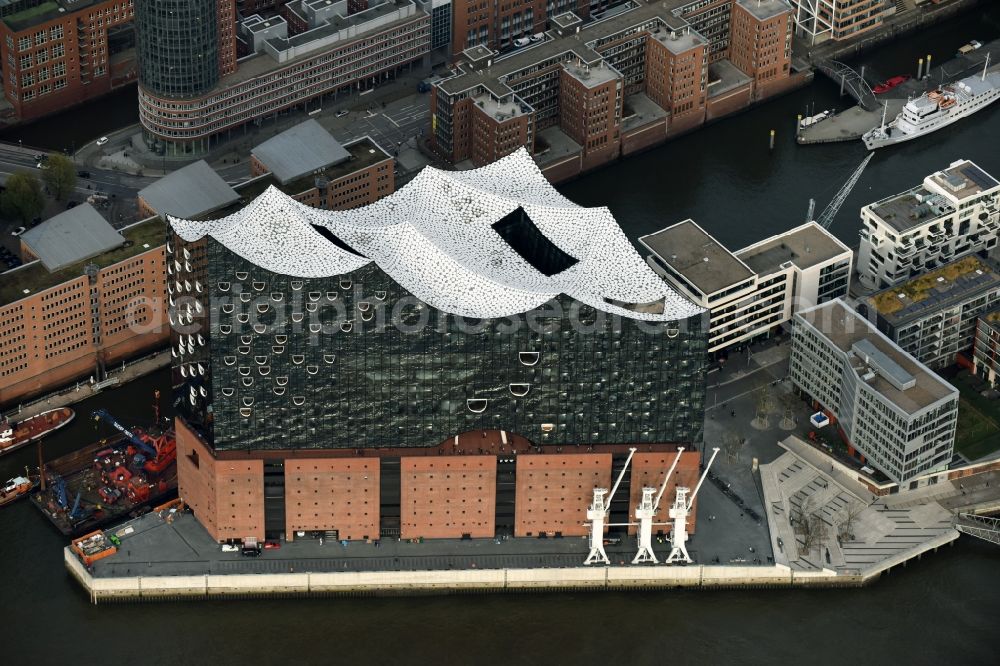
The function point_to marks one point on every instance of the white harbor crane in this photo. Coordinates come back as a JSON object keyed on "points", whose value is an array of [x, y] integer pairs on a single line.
{"points": [[825, 218], [679, 514], [644, 514], [597, 514]]}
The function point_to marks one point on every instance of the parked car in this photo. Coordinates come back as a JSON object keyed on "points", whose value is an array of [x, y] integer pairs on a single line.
{"points": [[522, 41], [342, 113], [18, 231], [103, 140], [537, 37], [272, 545], [70, 204], [83, 174], [230, 548]]}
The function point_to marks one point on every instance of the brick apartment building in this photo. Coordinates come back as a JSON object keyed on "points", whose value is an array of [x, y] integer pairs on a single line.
{"points": [[315, 47], [82, 305], [59, 53], [587, 93], [307, 163]]}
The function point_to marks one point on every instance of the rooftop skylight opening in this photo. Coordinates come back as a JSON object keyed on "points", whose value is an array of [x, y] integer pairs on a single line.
{"points": [[329, 235], [531, 244]]}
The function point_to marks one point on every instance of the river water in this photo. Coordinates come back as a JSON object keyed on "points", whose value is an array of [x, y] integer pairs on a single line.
{"points": [[943, 609]]}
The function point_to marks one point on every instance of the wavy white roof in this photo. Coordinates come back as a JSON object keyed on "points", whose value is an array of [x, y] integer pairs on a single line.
{"points": [[435, 238]]}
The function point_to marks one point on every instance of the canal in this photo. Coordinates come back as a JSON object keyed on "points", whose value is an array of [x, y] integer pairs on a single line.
{"points": [[943, 609]]}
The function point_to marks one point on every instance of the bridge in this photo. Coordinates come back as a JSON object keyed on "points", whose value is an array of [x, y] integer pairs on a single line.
{"points": [[982, 527], [850, 82]]}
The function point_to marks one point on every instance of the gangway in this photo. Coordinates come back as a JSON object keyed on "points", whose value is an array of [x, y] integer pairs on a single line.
{"points": [[850, 82], [982, 527]]}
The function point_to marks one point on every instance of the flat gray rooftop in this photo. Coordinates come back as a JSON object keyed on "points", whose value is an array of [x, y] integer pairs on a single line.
{"points": [[724, 76], [698, 257], [765, 9], [805, 247], [679, 41], [594, 76], [912, 208], [300, 150], [70, 237], [573, 47], [844, 328], [646, 111], [189, 192], [964, 179]]}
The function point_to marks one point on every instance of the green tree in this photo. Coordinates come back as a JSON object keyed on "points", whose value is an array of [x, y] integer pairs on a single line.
{"points": [[23, 197], [59, 175]]}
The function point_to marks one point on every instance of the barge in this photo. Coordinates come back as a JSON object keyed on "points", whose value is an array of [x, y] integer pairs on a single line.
{"points": [[110, 480]]}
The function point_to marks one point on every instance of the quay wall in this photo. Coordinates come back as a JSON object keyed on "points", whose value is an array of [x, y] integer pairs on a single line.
{"points": [[468, 581]]}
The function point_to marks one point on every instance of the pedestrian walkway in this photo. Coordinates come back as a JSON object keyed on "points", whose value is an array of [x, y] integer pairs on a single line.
{"points": [[83, 390], [851, 530]]}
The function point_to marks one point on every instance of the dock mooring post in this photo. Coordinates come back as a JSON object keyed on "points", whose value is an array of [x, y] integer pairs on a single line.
{"points": [[927, 72], [771, 143], [843, 79], [862, 73], [920, 68]]}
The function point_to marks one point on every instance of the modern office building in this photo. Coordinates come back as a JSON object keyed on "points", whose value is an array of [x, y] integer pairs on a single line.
{"points": [[586, 92], [953, 213], [86, 297], [892, 410], [185, 46], [817, 21], [59, 53], [323, 49], [933, 317], [753, 291], [425, 366], [986, 351]]}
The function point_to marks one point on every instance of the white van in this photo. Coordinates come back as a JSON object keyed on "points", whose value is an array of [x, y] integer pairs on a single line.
{"points": [[522, 41]]}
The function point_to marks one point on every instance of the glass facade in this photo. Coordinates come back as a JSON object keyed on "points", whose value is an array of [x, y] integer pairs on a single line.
{"points": [[441, 26], [178, 46], [356, 361]]}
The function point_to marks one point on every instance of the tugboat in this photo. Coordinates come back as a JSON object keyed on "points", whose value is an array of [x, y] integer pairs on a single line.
{"points": [[15, 435], [890, 83], [16, 488]]}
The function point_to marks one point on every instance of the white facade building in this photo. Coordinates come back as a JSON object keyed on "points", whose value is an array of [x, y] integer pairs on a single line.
{"points": [[753, 290], [891, 408], [819, 20], [955, 212]]}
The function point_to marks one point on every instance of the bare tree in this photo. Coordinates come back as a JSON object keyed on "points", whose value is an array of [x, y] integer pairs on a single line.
{"points": [[789, 402], [811, 528], [733, 443], [849, 515], [765, 403], [813, 531]]}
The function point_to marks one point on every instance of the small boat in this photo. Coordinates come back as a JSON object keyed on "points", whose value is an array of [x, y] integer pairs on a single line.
{"points": [[812, 120], [15, 435], [16, 488], [969, 48], [890, 83]]}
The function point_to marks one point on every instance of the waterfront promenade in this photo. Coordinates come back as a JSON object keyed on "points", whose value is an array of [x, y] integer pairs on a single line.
{"points": [[117, 375]]}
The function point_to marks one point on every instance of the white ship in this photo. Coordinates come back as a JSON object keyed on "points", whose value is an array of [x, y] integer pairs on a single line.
{"points": [[936, 109]]}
